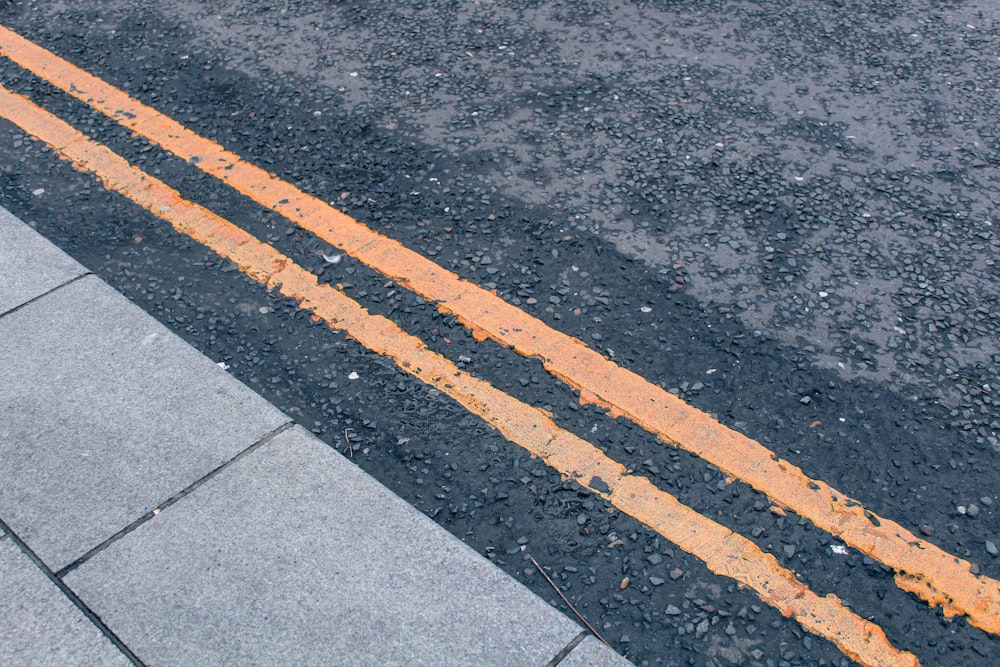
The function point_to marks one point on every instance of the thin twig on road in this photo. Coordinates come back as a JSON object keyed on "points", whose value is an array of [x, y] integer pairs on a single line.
{"points": [[568, 603]]}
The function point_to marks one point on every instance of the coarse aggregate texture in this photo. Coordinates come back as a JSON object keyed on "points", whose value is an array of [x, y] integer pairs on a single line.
{"points": [[784, 214], [824, 170]]}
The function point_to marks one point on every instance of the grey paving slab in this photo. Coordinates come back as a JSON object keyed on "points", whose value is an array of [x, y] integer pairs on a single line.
{"points": [[106, 415], [592, 653], [293, 555], [31, 265], [39, 625]]}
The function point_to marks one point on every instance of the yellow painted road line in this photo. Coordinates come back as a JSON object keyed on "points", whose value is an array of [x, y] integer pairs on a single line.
{"points": [[724, 551], [921, 567]]}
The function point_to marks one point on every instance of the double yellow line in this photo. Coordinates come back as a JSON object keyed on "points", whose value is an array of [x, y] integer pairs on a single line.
{"points": [[921, 568]]}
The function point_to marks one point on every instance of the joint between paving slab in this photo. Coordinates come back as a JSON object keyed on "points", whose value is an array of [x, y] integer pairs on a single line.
{"points": [[170, 501], [71, 596], [45, 294], [566, 650]]}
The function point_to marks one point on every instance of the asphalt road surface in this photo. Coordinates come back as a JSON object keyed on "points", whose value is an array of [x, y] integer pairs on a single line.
{"points": [[786, 215]]}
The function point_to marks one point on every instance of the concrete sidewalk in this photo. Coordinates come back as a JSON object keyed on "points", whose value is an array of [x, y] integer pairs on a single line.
{"points": [[156, 510]]}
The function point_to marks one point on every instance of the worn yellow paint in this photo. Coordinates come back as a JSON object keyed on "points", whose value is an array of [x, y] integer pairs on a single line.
{"points": [[724, 551], [922, 568]]}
